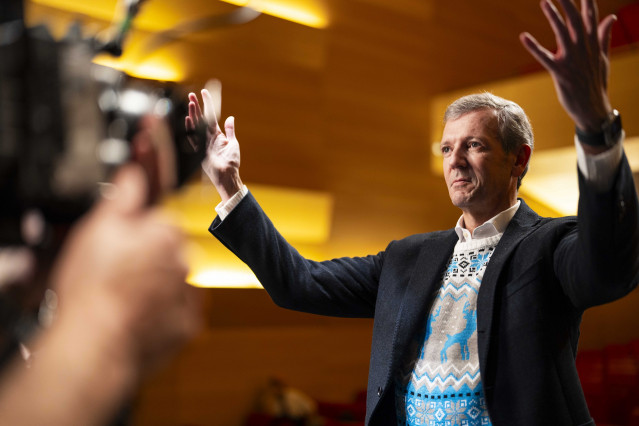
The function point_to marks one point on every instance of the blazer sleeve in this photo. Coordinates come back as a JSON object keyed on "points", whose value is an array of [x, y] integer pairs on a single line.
{"points": [[598, 261], [344, 287]]}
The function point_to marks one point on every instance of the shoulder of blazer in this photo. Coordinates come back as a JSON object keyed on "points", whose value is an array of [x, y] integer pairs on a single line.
{"points": [[417, 241], [527, 222]]}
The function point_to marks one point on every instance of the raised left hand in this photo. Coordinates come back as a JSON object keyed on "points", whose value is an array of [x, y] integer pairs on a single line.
{"points": [[580, 66]]}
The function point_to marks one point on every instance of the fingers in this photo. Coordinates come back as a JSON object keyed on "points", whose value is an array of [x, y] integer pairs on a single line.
{"points": [[192, 120], [590, 15], [543, 56], [194, 109], [189, 124], [229, 127], [569, 32], [604, 32], [209, 109], [195, 113], [214, 87], [573, 18], [190, 130], [559, 28]]}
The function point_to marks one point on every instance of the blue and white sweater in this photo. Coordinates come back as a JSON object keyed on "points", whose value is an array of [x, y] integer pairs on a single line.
{"points": [[442, 386]]}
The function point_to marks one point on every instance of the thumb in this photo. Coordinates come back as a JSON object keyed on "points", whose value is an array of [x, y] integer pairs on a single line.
{"points": [[129, 191], [605, 32], [229, 127]]}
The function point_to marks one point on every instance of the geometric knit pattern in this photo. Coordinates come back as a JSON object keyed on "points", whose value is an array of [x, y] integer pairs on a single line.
{"points": [[442, 386]]}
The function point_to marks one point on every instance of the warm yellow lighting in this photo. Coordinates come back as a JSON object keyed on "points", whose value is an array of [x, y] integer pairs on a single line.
{"points": [[311, 13], [223, 278], [558, 190], [158, 16], [160, 68], [161, 65], [155, 72], [552, 178], [213, 265], [631, 148], [103, 9], [152, 17], [302, 216], [305, 12]]}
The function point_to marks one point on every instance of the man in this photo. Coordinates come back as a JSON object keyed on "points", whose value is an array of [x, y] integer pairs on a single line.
{"points": [[478, 324]]}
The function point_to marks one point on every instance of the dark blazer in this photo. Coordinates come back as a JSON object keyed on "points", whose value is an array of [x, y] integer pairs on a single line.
{"points": [[543, 274]]}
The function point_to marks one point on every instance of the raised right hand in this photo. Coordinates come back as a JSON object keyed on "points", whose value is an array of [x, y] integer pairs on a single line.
{"points": [[222, 162]]}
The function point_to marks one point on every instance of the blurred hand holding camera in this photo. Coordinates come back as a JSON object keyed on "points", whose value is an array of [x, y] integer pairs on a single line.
{"points": [[124, 306]]}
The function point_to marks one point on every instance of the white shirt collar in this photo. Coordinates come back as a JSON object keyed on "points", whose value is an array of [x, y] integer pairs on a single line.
{"points": [[494, 226]]}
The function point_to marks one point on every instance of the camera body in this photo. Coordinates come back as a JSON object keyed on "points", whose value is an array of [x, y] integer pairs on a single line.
{"points": [[65, 123]]}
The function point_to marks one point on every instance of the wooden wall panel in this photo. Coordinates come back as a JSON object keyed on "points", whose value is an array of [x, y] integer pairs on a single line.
{"points": [[215, 380]]}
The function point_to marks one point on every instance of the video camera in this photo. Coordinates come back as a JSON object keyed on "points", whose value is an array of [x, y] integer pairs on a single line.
{"points": [[66, 122]]}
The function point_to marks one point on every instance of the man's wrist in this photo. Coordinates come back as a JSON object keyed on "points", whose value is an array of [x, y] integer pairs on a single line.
{"points": [[599, 168], [226, 207], [228, 186], [605, 136]]}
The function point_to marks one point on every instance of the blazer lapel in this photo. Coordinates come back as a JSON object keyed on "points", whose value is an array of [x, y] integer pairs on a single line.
{"points": [[520, 226], [424, 282]]}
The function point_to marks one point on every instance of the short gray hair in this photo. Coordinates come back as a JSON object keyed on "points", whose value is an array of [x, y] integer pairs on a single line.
{"points": [[514, 129]]}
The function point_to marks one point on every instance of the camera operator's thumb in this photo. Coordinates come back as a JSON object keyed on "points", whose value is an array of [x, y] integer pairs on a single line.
{"points": [[152, 148], [128, 192]]}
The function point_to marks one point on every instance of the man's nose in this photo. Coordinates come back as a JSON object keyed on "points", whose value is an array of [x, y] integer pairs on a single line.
{"points": [[457, 158]]}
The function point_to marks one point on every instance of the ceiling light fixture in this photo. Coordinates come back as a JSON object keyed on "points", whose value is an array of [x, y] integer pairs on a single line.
{"points": [[305, 12]]}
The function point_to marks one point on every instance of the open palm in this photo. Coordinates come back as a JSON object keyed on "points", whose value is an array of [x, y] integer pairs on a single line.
{"points": [[222, 160]]}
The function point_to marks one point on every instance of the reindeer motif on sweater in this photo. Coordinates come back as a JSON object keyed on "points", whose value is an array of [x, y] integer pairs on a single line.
{"points": [[443, 385], [461, 337]]}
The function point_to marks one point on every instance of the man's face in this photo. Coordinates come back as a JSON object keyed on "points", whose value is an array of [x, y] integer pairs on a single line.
{"points": [[476, 168]]}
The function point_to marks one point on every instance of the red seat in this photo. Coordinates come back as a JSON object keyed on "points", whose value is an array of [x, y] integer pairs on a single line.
{"points": [[634, 349], [621, 374]]}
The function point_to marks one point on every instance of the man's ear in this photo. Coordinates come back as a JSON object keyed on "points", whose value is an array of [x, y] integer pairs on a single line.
{"points": [[522, 158]]}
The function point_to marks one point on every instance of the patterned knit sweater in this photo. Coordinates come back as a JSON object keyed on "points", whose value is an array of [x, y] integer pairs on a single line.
{"points": [[442, 386]]}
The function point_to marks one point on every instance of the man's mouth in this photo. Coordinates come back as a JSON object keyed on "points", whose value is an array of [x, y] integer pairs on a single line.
{"points": [[460, 181]]}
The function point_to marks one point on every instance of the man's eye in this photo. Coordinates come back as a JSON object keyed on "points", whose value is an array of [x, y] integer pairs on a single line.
{"points": [[445, 149], [474, 145]]}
